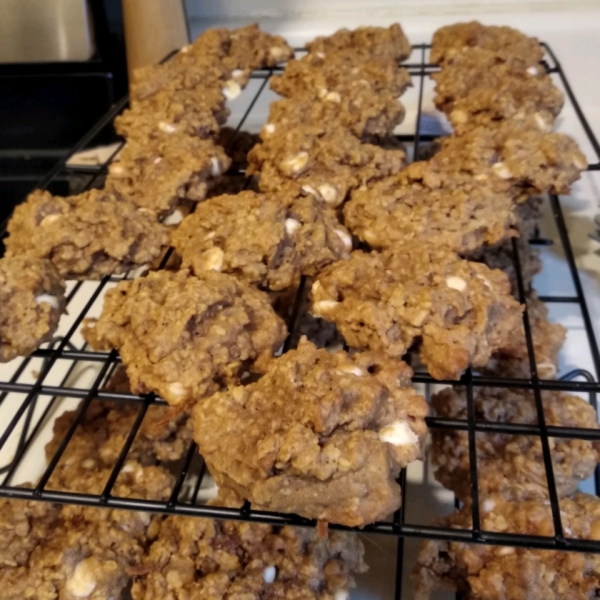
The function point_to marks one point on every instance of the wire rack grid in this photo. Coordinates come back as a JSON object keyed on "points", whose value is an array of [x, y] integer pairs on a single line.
{"points": [[29, 415]]}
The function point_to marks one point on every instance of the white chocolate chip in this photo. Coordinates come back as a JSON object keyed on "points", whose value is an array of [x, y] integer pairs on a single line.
{"points": [[231, 89], [488, 505], [186, 49], [398, 433], [213, 259], [177, 390], [269, 574], [346, 239], [88, 463], [278, 53], [333, 97], [309, 189], [322, 92], [580, 164], [270, 128], [237, 74], [51, 300], [480, 177], [291, 225], [328, 192], [542, 123], [323, 306], [116, 169], [456, 283], [82, 583], [459, 116], [157, 160], [174, 218], [128, 468], [320, 55], [341, 595], [167, 127], [546, 370], [297, 163], [370, 237], [502, 170], [215, 166], [210, 236], [353, 369], [506, 550], [533, 70], [49, 219]]}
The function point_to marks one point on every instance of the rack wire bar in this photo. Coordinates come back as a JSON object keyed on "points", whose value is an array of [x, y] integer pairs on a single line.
{"points": [[190, 471]]}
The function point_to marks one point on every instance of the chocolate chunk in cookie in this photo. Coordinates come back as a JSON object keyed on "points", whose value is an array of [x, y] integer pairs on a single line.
{"points": [[460, 311], [159, 173], [208, 559], [464, 218], [182, 336], [321, 435], [513, 465], [368, 42], [261, 238], [475, 88], [482, 572], [32, 295], [87, 236], [506, 43], [314, 160]]}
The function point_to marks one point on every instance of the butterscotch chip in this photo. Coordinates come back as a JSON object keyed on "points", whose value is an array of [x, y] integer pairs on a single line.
{"points": [[340, 72], [327, 164], [208, 559], [158, 174], [33, 299], [183, 337], [261, 238], [371, 42], [506, 43], [508, 157], [513, 465], [475, 88], [461, 311], [362, 112], [463, 218], [321, 435], [87, 236], [548, 338], [482, 572]]}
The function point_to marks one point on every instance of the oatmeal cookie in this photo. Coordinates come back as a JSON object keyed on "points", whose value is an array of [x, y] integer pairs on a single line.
{"points": [[345, 427], [512, 465], [460, 311], [327, 164], [342, 73], [475, 88], [548, 339], [202, 558], [32, 295], [183, 337], [158, 174], [220, 53], [501, 255], [482, 572], [508, 157], [263, 239], [506, 43], [463, 218], [366, 114], [87, 236], [365, 42]]}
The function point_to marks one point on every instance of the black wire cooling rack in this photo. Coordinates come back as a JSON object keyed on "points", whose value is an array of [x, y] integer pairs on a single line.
{"points": [[26, 422]]}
